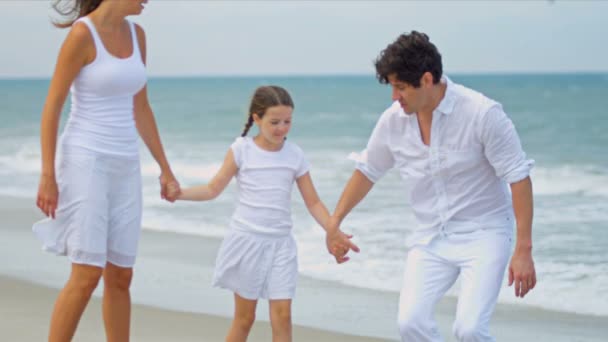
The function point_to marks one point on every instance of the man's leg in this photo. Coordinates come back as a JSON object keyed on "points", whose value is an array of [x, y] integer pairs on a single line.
{"points": [[482, 273], [426, 279]]}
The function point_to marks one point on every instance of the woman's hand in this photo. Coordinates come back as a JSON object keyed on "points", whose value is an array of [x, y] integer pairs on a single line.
{"points": [[48, 195], [169, 186]]}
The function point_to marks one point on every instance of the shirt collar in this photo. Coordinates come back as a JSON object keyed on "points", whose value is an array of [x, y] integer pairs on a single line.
{"points": [[446, 106]]}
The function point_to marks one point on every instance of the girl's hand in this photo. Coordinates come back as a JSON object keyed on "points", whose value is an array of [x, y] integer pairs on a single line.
{"points": [[339, 244], [173, 191], [169, 186], [48, 195]]}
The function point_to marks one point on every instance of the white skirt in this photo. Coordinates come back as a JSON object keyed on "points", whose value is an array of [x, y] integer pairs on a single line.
{"points": [[257, 266], [98, 217]]}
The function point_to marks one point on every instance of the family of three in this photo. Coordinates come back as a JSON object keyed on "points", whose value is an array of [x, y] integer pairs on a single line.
{"points": [[470, 177]]}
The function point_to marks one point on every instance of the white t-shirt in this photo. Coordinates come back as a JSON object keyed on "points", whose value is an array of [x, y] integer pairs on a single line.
{"points": [[265, 180]]}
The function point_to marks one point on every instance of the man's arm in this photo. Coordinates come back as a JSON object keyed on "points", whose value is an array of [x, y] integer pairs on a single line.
{"points": [[355, 190], [372, 164], [521, 269]]}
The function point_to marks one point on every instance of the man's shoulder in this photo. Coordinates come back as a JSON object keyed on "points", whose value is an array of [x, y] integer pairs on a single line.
{"points": [[472, 101]]}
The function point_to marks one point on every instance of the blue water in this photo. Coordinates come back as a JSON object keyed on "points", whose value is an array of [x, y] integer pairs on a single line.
{"points": [[561, 120]]}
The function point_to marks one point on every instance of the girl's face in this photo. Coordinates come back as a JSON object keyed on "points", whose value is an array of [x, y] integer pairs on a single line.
{"points": [[274, 125]]}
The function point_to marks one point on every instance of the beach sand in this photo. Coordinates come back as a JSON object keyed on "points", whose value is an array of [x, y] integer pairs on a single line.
{"points": [[174, 301], [26, 309]]}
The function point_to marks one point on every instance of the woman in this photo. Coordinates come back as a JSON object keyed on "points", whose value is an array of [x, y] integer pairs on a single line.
{"points": [[94, 203]]}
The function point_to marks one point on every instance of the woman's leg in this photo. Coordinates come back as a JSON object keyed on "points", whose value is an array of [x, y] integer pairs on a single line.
{"points": [[244, 316], [280, 320], [117, 302], [72, 301]]}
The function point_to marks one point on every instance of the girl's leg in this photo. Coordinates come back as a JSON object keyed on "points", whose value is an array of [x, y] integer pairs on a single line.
{"points": [[244, 316], [280, 320], [72, 301], [117, 302]]}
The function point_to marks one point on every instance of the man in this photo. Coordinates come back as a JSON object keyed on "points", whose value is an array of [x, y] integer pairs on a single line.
{"points": [[462, 154]]}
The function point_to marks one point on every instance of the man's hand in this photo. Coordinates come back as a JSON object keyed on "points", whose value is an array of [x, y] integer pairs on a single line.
{"points": [[522, 272], [338, 244]]}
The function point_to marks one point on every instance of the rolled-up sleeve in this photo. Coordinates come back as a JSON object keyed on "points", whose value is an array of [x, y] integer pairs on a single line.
{"points": [[377, 158], [502, 146]]}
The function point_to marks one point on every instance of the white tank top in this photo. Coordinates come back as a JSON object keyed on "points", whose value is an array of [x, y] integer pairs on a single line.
{"points": [[101, 116]]}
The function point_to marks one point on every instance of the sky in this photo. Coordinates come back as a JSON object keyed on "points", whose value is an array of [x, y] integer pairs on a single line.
{"points": [[216, 38]]}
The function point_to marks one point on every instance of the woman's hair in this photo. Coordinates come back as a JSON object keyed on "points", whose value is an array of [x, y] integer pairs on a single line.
{"points": [[263, 98], [72, 10], [408, 58]]}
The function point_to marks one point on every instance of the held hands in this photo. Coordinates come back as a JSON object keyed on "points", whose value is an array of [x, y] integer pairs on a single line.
{"points": [[338, 243], [48, 195], [522, 272], [169, 186]]}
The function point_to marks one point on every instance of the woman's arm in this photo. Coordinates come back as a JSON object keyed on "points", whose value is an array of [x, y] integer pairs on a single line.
{"points": [[148, 130], [77, 51], [215, 187]]}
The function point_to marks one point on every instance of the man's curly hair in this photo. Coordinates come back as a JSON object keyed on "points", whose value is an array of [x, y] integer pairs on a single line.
{"points": [[408, 58]]}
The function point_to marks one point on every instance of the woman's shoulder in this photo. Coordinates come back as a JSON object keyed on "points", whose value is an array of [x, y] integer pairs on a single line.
{"points": [[80, 32], [79, 45]]}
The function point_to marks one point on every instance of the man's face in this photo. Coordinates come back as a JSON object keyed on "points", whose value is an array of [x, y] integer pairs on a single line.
{"points": [[410, 98]]}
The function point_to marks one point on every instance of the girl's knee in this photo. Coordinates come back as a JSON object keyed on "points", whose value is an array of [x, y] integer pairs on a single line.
{"points": [[244, 321], [282, 317]]}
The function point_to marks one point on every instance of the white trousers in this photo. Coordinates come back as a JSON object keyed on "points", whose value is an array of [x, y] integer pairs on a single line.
{"points": [[480, 258]]}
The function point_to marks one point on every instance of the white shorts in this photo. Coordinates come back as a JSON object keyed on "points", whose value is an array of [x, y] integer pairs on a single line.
{"points": [[98, 217], [257, 266]]}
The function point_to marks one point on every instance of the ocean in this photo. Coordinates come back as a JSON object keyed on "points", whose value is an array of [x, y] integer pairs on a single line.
{"points": [[561, 120]]}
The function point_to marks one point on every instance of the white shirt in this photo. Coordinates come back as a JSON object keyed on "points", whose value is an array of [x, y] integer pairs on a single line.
{"points": [[459, 182], [264, 181]]}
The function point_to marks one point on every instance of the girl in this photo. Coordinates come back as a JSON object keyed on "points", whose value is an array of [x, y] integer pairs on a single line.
{"points": [[94, 203], [258, 257]]}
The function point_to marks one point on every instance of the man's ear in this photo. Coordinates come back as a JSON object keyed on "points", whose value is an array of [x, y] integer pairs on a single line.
{"points": [[426, 79]]}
